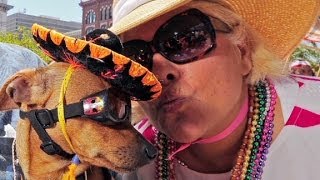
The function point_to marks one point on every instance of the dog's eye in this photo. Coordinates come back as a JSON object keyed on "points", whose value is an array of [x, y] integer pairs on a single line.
{"points": [[32, 106]]}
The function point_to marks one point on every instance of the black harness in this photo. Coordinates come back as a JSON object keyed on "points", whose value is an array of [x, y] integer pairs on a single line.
{"points": [[108, 107]]}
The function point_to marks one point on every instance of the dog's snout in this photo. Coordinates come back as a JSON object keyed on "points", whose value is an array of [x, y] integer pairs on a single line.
{"points": [[18, 90], [151, 151]]}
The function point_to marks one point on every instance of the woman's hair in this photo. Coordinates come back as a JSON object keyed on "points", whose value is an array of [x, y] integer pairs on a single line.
{"points": [[264, 62]]}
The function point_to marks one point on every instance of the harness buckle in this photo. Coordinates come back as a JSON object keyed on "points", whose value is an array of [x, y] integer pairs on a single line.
{"points": [[44, 117]]}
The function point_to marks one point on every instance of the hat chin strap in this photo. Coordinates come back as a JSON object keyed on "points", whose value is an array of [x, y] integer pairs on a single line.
{"points": [[225, 133]]}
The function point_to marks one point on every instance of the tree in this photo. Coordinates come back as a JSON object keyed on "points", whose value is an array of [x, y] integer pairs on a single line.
{"points": [[23, 37]]}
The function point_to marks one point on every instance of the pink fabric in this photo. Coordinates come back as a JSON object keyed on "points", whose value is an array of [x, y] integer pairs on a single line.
{"points": [[303, 118], [311, 78], [147, 130], [300, 84]]}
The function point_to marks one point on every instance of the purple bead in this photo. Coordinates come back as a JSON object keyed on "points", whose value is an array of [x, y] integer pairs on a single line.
{"points": [[259, 169], [261, 163], [267, 145]]}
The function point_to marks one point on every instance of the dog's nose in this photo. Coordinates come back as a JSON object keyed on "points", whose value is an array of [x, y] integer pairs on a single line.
{"points": [[18, 90], [150, 151]]}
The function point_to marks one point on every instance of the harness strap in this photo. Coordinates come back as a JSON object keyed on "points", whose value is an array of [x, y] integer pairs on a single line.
{"points": [[48, 145], [48, 118]]}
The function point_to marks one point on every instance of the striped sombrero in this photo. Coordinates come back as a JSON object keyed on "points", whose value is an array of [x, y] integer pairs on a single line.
{"points": [[120, 71]]}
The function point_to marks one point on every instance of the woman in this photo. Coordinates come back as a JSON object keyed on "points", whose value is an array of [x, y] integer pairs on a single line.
{"points": [[225, 111]]}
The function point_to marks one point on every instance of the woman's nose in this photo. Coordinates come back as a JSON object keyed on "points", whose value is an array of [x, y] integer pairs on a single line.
{"points": [[166, 71]]}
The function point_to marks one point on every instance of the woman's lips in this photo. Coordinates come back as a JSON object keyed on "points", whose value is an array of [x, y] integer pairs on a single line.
{"points": [[171, 105]]}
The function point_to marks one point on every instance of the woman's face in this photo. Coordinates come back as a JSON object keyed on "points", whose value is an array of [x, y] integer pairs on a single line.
{"points": [[200, 98]]}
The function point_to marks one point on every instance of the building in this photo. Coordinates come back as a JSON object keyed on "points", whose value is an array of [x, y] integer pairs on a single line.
{"points": [[4, 8], [96, 14], [16, 20]]}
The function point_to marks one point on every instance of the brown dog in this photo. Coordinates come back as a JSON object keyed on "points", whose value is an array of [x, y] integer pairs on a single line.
{"points": [[119, 147]]}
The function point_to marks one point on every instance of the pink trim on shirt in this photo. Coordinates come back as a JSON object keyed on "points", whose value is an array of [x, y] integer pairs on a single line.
{"points": [[303, 118], [312, 78]]}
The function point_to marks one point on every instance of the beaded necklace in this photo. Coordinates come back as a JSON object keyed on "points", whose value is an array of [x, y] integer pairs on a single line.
{"points": [[256, 142]]}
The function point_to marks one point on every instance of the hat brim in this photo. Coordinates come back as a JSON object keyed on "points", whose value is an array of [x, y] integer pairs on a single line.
{"points": [[120, 71], [282, 24]]}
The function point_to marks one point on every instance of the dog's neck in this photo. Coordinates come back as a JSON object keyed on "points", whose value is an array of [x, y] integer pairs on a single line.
{"points": [[51, 167], [35, 163]]}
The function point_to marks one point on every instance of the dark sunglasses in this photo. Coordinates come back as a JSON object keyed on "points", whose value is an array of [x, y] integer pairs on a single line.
{"points": [[107, 106], [184, 38]]}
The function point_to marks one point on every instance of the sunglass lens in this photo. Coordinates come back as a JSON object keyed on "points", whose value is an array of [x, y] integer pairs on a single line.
{"points": [[139, 51], [117, 103], [184, 38]]}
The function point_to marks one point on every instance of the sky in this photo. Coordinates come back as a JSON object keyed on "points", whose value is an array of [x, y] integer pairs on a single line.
{"points": [[66, 10]]}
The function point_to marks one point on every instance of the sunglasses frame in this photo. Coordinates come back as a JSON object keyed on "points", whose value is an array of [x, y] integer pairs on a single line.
{"points": [[152, 47], [97, 107]]}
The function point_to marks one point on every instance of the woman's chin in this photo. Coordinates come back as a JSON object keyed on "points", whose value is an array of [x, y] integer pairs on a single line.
{"points": [[182, 131], [182, 135]]}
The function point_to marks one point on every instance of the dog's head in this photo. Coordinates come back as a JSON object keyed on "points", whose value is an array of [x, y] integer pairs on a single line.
{"points": [[119, 147]]}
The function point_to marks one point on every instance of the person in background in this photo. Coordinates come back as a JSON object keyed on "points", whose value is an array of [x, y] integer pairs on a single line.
{"points": [[226, 111], [301, 67], [13, 58]]}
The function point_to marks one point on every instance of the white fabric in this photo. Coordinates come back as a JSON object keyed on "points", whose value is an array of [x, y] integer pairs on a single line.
{"points": [[124, 7], [294, 155], [10, 131]]}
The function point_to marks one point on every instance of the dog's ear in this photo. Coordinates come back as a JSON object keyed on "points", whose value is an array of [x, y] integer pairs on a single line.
{"points": [[6, 102]]}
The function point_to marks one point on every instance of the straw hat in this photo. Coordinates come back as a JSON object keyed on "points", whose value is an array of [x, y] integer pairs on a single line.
{"points": [[120, 71], [281, 23]]}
